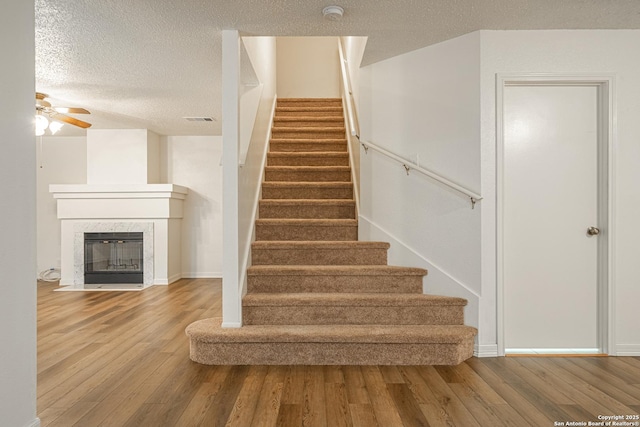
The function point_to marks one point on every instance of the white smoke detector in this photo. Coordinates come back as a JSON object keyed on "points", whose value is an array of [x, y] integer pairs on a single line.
{"points": [[333, 12]]}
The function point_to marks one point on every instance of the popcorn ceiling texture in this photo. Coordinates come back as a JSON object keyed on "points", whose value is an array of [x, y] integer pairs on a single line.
{"points": [[149, 63]]}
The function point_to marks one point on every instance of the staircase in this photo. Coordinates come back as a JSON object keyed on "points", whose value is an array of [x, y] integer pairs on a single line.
{"points": [[316, 295]]}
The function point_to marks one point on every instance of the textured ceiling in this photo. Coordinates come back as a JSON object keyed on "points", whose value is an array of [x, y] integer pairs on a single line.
{"points": [[149, 63]]}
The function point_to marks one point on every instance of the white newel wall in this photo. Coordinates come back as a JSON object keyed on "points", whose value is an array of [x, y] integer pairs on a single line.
{"points": [[118, 197]]}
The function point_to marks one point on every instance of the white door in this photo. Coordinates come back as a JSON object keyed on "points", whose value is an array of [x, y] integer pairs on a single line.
{"points": [[550, 199]]}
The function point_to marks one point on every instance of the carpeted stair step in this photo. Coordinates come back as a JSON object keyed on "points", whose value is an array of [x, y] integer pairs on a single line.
{"points": [[307, 190], [319, 253], [307, 209], [309, 111], [308, 173], [211, 344], [334, 278], [320, 132], [291, 144], [309, 102], [351, 309], [307, 229], [319, 158], [308, 121]]}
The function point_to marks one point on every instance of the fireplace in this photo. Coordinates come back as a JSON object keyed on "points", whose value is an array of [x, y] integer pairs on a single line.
{"points": [[115, 257]]}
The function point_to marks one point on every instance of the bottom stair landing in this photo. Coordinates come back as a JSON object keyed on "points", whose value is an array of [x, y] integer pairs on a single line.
{"points": [[330, 344]]}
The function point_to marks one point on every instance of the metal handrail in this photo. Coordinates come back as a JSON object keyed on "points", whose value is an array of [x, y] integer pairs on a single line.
{"points": [[409, 166]]}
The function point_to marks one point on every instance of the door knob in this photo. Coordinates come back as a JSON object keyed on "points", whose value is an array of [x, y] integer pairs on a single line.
{"points": [[593, 231]]}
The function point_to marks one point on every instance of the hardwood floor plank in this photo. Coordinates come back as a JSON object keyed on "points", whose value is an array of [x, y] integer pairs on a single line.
{"points": [[204, 397], [270, 398], [356, 387], [289, 415], [520, 404], [314, 412], [223, 403], [122, 359], [244, 408], [446, 398], [362, 415], [408, 408], [337, 403], [383, 405]]}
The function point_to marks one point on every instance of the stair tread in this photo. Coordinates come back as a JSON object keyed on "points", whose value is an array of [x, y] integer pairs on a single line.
{"points": [[313, 202], [210, 330], [308, 128], [308, 109], [310, 99], [307, 140], [307, 221], [328, 270], [308, 168], [313, 244], [340, 154], [308, 118], [298, 184], [349, 299]]}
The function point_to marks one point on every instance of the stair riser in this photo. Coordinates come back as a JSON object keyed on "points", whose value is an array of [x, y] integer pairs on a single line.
{"points": [[307, 147], [318, 160], [321, 121], [285, 353], [306, 176], [334, 283], [306, 232], [352, 315], [306, 103], [307, 212], [310, 133], [319, 256], [307, 193]]}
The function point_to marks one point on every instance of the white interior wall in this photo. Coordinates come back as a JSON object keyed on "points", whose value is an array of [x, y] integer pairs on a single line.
{"points": [[583, 51], [18, 214], [194, 162], [262, 52], [61, 160], [425, 107], [106, 163], [308, 67]]}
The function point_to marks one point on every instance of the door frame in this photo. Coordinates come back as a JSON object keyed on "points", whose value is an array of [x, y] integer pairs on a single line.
{"points": [[607, 121]]}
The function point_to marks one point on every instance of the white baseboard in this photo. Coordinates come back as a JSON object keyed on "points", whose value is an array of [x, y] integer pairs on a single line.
{"points": [[168, 281], [202, 275], [231, 324], [34, 423], [627, 350], [485, 350]]}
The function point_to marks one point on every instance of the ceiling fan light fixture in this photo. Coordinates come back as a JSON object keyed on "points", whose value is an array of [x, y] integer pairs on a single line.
{"points": [[333, 13], [54, 127], [41, 124]]}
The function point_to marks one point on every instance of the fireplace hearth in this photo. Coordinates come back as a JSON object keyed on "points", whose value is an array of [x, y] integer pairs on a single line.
{"points": [[115, 257]]}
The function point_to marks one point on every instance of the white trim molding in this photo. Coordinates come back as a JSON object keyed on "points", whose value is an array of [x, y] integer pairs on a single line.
{"points": [[627, 350], [34, 423], [485, 350], [606, 82]]}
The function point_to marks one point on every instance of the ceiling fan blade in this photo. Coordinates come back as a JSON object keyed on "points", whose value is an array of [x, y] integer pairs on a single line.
{"points": [[71, 110], [70, 120]]}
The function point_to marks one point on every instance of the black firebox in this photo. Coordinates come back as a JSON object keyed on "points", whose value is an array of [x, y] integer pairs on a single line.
{"points": [[113, 258]]}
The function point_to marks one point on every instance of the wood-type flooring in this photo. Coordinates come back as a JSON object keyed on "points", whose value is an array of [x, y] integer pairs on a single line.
{"points": [[122, 359]]}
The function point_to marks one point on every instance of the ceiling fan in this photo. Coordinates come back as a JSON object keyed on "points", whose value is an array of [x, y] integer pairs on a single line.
{"points": [[46, 112]]}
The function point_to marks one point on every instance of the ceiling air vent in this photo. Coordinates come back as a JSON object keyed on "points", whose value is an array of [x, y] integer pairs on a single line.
{"points": [[200, 119]]}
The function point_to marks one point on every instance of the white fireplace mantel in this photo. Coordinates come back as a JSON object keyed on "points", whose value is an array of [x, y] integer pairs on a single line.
{"points": [[101, 207]]}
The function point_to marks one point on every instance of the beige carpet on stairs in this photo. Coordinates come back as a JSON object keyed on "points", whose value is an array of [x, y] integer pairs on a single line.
{"points": [[315, 294]]}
